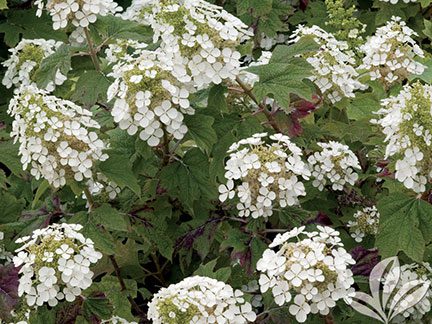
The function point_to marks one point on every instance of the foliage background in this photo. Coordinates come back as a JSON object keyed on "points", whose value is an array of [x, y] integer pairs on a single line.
{"points": [[167, 223]]}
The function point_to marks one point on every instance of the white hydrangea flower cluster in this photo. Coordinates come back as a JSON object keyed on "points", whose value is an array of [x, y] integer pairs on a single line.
{"points": [[334, 165], [55, 264], [365, 222], [390, 54], [5, 256], [25, 60], [313, 268], [411, 272], [267, 175], [200, 300], [333, 63], [79, 13], [198, 38], [54, 136], [149, 99], [407, 124]]}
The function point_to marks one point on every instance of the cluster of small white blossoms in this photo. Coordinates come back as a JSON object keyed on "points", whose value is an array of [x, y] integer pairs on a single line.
{"points": [[200, 300], [25, 59], [55, 264], [334, 164], [390, 54], [148, 98], [313, 268], [268, 175], [101, 184], [407, 124], [333, 63], [198, 38], [412, 273], [54, 136], [79, 13], [365, 222], [5, 256]]}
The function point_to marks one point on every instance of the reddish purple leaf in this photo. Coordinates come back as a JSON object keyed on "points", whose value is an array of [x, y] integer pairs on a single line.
{"points": [[8, 289]]}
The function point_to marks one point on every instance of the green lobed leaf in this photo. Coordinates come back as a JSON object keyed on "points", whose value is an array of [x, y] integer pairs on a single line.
{"points": [[200, 129], [110, 218], [91, 87], [9, 157], [207, 270], [25, 24], [60, 60], [118, 169], [405, 225], [285, 74], [188, 180]]}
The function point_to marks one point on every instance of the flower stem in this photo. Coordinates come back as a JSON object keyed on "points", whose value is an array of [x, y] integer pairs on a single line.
{"points": [[262, 107], [123, 288], [93, 53]]}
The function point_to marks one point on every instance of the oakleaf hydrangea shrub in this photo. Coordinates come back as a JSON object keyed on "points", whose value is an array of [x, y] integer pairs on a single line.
{"points": [[263, 176], [55, 264], [25, 59], [308, 270], [200, 300], [191, 161]]}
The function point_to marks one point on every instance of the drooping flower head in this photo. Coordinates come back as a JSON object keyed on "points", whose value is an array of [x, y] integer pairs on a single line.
{"points": [[335, 165], [25, 59], [365, 222], [199, 38], [264, 176], [79, 13], [55, 136], [148, 99], [390, 55], [406, 121], [55, 264], [200, 300], [308, 270], [333, 63]]}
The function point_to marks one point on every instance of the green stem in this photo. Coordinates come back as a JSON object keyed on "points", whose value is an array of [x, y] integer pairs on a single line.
{"points": [[262, 107], [93, 53]]}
